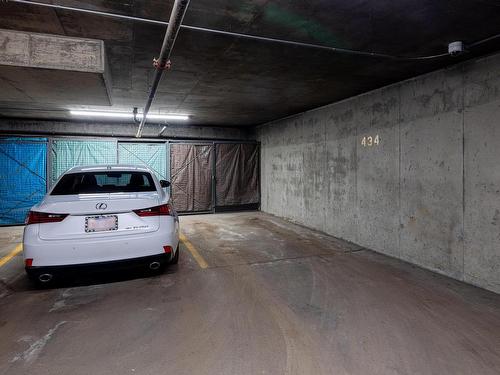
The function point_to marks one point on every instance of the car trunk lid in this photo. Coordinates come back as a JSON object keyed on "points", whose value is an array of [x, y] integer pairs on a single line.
{"points": [[81, 207]]}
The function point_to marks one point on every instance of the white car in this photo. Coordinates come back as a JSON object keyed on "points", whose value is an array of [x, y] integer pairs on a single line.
{"points": [[100, 217]]}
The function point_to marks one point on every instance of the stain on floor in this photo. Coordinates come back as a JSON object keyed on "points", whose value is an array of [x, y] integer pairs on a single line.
{"points": [[276, 298]]}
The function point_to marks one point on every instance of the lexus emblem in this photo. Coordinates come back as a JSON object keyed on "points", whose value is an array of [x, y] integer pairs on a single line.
{"points": [[101, 206]]}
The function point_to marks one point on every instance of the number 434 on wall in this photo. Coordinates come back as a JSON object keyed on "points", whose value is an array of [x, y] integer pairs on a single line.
{"points": [[370, 141]]}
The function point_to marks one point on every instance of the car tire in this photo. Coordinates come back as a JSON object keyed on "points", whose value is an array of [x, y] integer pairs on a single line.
{"points": [[175, 259]]}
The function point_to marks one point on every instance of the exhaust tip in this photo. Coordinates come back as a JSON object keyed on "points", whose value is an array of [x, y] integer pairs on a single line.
{"points": [[154, 266], [45, 277]]}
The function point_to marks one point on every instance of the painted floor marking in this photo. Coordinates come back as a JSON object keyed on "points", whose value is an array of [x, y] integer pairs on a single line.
{"points": [[196, 255], [6, 259]]}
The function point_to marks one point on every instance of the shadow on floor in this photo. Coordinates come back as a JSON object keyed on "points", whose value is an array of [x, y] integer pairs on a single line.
{"points": [[87, 278]]}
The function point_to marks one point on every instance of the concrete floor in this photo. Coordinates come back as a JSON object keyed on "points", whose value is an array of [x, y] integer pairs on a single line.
{"points": [[275, 299]]}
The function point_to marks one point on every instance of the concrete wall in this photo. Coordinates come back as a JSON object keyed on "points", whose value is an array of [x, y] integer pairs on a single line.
{"points": [[109, 129], [428, 193]]}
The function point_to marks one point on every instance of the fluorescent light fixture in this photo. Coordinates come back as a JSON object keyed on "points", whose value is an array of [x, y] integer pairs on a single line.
{"points": [[117, 115], [102, 114], [166, 117]]}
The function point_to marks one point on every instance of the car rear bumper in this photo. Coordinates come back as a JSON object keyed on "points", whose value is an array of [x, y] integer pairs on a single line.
{"points": [[48, 253], [115, 265]]}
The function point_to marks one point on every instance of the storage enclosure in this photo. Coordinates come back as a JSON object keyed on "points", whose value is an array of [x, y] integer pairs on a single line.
{"points": [[205, 176]]}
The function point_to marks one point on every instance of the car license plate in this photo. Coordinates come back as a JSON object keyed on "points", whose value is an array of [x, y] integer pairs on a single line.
{"points": [[101, 223]]}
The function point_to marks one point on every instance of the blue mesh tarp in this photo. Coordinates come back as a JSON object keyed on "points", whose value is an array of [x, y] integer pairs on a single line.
{"points": [[71, 153], [22, 177], [152, 155]]}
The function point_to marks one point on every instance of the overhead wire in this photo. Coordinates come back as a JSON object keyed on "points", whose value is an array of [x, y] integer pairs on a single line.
{"points": [[254, 37]]}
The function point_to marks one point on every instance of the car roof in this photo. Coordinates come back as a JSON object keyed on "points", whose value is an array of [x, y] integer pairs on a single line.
{"points": [[108, 167]]}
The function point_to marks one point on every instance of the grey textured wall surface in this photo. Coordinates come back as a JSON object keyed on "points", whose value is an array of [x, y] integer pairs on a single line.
{"points": [[49, 67], [109, 129], [428, 193]]}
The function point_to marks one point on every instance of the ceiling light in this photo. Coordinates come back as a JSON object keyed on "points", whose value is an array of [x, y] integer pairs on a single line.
{"points": [[101, 114], [166, 117], [151, 116]]}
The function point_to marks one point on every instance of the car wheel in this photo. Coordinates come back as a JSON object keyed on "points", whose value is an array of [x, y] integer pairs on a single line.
{"points": [[175, 259]]}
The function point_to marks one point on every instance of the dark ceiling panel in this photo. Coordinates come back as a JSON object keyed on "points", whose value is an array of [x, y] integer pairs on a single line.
{"points": [[29, 18], [222, 80]]}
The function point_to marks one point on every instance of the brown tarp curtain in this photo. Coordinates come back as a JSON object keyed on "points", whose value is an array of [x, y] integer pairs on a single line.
{"points": [[191, 176], [236, 174]]}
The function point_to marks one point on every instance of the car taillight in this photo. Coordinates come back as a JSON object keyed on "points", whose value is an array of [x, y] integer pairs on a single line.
{"points": [[163, 210], [34, 217]]}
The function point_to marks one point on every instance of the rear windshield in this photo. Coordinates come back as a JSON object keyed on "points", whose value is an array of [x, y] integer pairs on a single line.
{"points": [[104, 182]]}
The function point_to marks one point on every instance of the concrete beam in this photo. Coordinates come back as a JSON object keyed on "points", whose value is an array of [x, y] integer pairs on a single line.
{"points": [[50, 69], [26, 127]]}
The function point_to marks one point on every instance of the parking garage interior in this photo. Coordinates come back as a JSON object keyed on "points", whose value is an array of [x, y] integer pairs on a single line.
{"points": [[335, 167]]}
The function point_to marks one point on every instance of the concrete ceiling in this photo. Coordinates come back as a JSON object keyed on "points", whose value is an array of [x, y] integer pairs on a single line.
{"points": [[222, 80]]}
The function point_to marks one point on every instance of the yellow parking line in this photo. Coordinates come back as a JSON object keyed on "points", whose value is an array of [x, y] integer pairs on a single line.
{"points": [[11, 255], [196, 255]]}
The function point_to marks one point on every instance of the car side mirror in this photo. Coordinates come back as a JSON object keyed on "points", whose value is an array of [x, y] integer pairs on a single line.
{"points": [[164, 183]]}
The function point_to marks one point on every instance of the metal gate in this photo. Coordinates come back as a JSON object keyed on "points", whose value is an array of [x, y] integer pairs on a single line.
{"points": [[23, 181], [152, 155], [67, 153], [191, 169], [237, 176], [205, 176]]}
